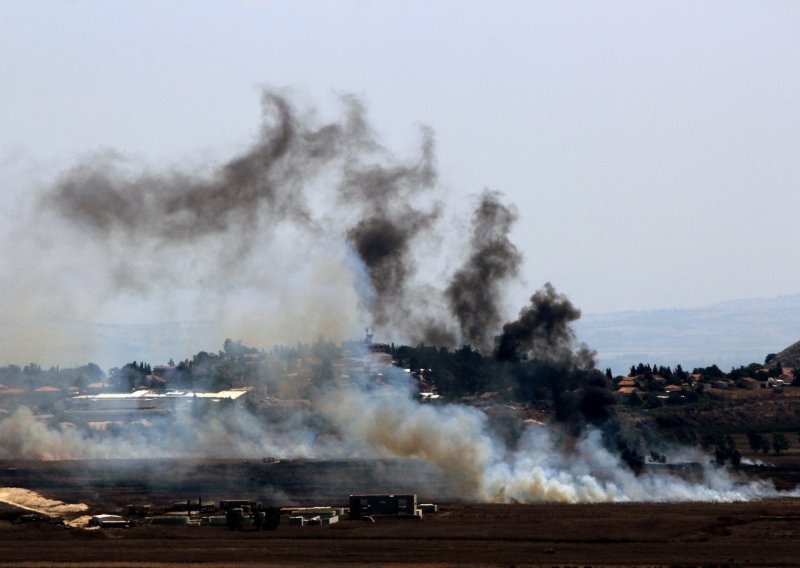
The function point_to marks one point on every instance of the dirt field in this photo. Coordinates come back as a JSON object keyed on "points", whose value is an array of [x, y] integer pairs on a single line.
{"points": [[758, 534], [695, 534]]}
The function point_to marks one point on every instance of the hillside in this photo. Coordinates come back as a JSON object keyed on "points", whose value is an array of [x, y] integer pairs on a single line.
{"points": [[790, 357], [727, 334]]}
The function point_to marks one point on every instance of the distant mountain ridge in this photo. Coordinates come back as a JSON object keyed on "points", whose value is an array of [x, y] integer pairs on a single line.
{"points": [[728, 334]]}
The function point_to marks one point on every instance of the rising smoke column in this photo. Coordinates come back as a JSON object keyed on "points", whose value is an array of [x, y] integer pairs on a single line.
{"points": [[473, 293], [387, 226], [543, 336], [223, 219], [542, 330], [225, 243], [301, 186]]}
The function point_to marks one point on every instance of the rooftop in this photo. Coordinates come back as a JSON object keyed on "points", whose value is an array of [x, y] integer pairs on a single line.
{"points": [[232, 394]]}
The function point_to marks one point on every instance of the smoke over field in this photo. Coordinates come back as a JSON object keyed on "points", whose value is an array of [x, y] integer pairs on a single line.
{"points": [[455, 443], [316, 230]]}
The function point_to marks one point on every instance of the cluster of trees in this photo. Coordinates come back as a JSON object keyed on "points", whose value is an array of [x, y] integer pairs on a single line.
{"points": [[130, 376], [33, 376], [572, 390], [758, 372], [676, 377], [726, 452], [455, 373], [706, 374], [235, 365], [576, 395], [651, 399], [652, 380], [759, 443]]}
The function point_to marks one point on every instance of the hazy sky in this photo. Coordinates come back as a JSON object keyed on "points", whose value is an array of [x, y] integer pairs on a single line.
{"points": [[651, 147]]}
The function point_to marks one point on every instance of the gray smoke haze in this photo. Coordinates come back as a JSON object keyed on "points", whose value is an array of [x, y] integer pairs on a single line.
{"points": [[303, 193], [232, 206], [474, 291], [264, 184], [388, 227], [361, 419], [314, 221], [314, 230]]}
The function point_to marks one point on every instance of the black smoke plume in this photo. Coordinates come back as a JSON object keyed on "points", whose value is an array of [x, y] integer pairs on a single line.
{"points": [[541, 331], [264, 184], [387, 226], [334, 182], [474, 291], [320, 180], [542, 335]]}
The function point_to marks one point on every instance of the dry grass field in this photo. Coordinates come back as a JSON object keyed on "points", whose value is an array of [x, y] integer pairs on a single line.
{"points": [[760, 533]]}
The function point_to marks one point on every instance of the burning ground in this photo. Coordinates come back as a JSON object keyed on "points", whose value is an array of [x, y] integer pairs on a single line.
{"points": [[449, 450], [317, 230]]}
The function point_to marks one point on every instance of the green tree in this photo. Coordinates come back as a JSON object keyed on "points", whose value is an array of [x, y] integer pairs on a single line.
{"points": [[81, 382], [468, 370], [651, 400], [725, 450], [712, 372], [757, 442], [780, 443]]}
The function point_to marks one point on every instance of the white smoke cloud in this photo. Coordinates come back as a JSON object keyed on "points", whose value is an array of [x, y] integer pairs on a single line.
{"points": [[363, 419], [590, 473], [306, 234], [457, 441]]}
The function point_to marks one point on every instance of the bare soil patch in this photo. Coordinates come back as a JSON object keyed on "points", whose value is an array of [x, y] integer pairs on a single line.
{"points": [[758, 534]]}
